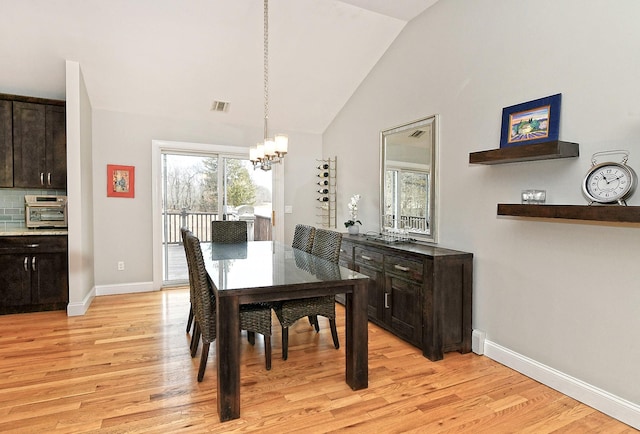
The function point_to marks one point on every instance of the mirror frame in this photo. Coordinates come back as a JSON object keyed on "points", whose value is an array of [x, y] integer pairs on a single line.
{"points": [[433, 192]]}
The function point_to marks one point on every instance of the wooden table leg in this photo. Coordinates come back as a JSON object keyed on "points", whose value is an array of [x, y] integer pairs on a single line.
{"points": [[357, 348], [228, 357]]}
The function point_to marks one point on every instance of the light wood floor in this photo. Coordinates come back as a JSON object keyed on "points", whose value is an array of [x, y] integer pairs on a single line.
{"points": [[125, 367]]}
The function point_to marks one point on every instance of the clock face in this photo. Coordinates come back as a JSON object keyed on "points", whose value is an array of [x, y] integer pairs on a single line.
{"points": [[609, 183]]}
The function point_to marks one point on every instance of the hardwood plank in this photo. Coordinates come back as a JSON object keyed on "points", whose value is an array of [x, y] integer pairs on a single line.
{"points": [[125, 367]]}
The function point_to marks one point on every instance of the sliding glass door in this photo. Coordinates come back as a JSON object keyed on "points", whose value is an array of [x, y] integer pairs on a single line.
{"points": [[198, 188]]}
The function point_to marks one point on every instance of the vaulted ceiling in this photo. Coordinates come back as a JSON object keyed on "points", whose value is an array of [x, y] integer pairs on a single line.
{"points": [[175, 57]]}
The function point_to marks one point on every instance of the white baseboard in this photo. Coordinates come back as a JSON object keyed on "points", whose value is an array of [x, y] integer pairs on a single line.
{"points": [[78, 309], [614, 406], [124, 288]]}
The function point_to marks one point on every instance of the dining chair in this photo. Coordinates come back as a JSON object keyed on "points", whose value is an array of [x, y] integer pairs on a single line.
{"points": [[190, 323], [303, 240], [232, 232], [303, 237], [326, 245], [253, 317], [228, 231]]}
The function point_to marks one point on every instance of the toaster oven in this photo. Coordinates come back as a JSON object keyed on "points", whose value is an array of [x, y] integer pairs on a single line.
{"points": [[45, 211]]}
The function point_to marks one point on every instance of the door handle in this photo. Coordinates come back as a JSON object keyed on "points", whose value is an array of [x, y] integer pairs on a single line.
{"points": [[386, 300], [26, 263], [49, 178], [41, 178], [33, 263]]}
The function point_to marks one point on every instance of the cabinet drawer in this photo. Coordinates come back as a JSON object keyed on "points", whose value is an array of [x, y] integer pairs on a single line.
{"points": [[33, 244], [407, 268], [369, 258]]}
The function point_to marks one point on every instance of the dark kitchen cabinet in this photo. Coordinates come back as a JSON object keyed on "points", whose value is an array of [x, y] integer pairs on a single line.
{"points": [[56, 146], [35, 275], [15, 282], [6, 144], [420, 293], [39, 145]]}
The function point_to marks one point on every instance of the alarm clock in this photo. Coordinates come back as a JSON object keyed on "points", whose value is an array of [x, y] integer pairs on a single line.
{"points": [[609, 182]]}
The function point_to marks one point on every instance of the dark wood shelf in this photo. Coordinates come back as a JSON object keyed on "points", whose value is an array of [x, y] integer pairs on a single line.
{"points": [[538, 151], [604, 213]]}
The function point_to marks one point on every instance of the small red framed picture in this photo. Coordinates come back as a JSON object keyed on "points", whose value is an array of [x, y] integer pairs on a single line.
{"points": [[120, 181]]}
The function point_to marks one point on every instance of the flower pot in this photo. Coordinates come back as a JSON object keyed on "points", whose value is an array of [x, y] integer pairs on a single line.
{"points": [[353, 229]]}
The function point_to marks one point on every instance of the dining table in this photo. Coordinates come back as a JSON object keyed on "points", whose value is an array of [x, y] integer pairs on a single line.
{"points": [[268, 271]]}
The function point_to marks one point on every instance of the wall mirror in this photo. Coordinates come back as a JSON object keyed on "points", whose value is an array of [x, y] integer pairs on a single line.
{"points": [[408, 179]]}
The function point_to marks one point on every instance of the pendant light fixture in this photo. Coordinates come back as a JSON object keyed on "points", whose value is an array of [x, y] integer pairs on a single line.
{"points": [[271, 150]]}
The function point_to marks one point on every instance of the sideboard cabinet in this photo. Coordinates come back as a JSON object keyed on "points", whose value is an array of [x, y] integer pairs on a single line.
{"points": [[421, 293]]}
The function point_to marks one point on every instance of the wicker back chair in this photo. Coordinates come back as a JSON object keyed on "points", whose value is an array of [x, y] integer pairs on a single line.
{"points": [[253, 317], [303, 238], [326, 245], [228, 231], [184, 230]]}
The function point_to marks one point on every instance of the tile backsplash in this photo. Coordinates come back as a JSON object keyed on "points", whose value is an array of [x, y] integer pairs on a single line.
{"points": [[12, 205]]}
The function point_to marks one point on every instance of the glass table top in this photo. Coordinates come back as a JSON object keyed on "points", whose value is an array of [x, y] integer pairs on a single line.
{"points": [[258, 264]]}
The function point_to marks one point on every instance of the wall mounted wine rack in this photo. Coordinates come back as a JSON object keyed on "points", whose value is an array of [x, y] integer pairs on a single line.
{"points": [[326, 192]]}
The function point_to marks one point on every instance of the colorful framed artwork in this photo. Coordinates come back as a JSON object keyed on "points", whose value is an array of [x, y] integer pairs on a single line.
{"points": [[536, 121], [120, 181]]}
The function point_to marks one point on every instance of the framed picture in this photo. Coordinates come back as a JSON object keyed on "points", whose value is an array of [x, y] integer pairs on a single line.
{"points": [[531, 122], [120, 181]]}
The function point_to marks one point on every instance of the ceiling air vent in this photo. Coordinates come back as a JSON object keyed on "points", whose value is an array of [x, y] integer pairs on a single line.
{"points": [[416, 134], [219, 106]]}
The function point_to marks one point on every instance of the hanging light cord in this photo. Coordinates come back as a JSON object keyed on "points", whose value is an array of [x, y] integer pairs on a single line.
{"points": [[272, 150]]}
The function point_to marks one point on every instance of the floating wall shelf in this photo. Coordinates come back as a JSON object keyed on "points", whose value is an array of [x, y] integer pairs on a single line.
{"points": [[604, 213], [538, 151]]}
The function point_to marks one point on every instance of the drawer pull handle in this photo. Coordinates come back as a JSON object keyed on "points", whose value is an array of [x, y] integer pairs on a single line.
{"points": [[366, 258], [386, 300], [33, 245], [33, 263], [401, 268], [26, 263]]}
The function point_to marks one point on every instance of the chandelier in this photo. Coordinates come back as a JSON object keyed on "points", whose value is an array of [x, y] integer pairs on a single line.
{"points": [[271, 150]]}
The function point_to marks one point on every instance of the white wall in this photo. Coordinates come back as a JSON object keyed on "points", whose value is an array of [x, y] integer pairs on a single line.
{"points": [[123, 227], [565, 294], [79, 191]]}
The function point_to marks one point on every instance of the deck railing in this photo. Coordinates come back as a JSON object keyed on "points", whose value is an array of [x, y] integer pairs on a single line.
{"points": [[200, 224]]}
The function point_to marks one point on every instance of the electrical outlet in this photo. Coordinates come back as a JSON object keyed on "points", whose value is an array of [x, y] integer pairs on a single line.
{"points": [[120, 265]]}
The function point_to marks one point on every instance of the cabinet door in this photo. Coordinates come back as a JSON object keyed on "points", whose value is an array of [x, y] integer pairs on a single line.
{"points": [[56, 149], [345, 260], [370, 262], [6, 145], [49, 277], [375, 306], [403, 308], [15, 283], [28, 145]]}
